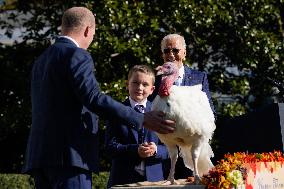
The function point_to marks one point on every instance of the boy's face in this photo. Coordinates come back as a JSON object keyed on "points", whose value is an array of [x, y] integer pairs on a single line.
{"points": [[140, 86]]}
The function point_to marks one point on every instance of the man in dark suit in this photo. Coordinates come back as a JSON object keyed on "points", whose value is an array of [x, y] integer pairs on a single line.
{"points": [[136, 156], [62, 146], [173, 49]]}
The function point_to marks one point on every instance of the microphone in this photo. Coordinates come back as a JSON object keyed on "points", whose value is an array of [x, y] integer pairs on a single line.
{"points": [[279, 86], [276, 83]]}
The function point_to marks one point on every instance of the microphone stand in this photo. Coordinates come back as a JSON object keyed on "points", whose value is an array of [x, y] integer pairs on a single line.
{"points": [[280, 87]]}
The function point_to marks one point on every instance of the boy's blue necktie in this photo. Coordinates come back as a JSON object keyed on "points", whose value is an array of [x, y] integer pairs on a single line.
{"points": [[140, 108]]}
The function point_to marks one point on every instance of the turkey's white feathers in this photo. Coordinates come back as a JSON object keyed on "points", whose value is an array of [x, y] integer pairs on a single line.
{"points": [[195, 124], [204, 163]]}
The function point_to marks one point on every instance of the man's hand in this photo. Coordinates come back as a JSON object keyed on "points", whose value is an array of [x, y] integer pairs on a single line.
{"points": [[154, 121], [153, 148], [147, 149], [144, 151]]}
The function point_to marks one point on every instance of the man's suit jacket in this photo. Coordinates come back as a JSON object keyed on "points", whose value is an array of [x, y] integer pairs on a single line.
{"points": [[64, 94], [122, 145]]}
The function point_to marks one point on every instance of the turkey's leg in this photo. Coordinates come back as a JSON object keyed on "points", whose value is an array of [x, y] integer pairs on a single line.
{"points": [[195, 151], [173, 152]]}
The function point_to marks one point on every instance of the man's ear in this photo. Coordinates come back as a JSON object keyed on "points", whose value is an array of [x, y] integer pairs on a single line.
{"points": [[152, 89], [86, 32], [161, 54], [126, 84]]}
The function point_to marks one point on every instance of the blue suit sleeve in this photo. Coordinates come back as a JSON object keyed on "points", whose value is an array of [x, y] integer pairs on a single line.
{"points": [[85, 85], [205, 88], [113, 142], [162, 152]]}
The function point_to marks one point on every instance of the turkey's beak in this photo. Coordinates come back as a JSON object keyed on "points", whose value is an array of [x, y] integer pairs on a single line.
{"points": [[159, 70], [162, 73]]}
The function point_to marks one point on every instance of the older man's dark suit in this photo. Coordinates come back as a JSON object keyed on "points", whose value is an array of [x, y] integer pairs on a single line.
{"points": [[64, 94], [122, 145], [191, 77]]}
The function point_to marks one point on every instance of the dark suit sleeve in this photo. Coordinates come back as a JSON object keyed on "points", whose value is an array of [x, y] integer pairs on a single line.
{"points": [[85, 85], [205, 88], [162, 152], [117, 141]]}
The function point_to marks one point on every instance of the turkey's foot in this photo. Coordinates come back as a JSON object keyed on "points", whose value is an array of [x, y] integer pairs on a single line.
{"points": [[197, 179], [170, 182]]}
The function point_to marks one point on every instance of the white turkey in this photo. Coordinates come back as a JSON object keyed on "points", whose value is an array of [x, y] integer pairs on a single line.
{"points": [[195, 123]]}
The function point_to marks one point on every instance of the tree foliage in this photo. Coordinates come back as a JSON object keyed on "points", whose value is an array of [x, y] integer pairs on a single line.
{"points": [[238, 43]]}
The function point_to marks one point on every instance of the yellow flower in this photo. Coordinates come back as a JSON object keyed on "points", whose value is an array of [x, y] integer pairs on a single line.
{"points": [[235, 177]]}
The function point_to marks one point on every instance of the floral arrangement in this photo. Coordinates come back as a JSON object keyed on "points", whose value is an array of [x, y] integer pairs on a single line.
{"points": [[229, 173]]}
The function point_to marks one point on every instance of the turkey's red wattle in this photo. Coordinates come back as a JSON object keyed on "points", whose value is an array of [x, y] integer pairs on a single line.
{"points": [[163, 91], [165, 86], [170, 72]]}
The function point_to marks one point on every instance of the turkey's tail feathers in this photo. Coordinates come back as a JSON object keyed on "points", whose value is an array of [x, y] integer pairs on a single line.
{"points": [[204, 163]]}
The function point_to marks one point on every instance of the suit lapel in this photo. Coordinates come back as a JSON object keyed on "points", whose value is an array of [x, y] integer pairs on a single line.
{"points": [[148, 109], [134, 132], [187, 76]]}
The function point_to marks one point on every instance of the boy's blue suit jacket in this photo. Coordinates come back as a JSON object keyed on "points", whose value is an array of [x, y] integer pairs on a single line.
{"points": [[122, 145], [64, 94]]}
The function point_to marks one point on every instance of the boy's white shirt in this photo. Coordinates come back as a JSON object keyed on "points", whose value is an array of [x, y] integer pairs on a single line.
{"points": [[133, 103]]}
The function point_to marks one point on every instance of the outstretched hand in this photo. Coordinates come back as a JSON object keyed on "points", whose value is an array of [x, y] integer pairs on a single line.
{"points": [[155, 121]]}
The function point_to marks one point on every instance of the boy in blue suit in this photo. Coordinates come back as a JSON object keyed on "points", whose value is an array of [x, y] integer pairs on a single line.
{"points": [[62, 150], [136, 155]]}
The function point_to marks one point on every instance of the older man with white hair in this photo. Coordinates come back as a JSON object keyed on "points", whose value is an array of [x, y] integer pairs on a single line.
{"points": [[173, 49]]}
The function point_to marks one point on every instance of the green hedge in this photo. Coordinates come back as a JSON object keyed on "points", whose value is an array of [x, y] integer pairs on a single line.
{"points": [[16, 181], [100, 181], [21, 181]]}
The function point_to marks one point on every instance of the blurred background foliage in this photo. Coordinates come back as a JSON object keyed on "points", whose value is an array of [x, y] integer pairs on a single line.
{"points": [[238, 43]]}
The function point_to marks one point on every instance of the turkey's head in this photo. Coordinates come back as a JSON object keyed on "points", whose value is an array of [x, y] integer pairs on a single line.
{"points": [[169, 72]]}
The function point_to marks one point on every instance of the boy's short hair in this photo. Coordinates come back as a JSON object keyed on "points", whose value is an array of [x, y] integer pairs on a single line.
{"points": [[143, 69]]}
